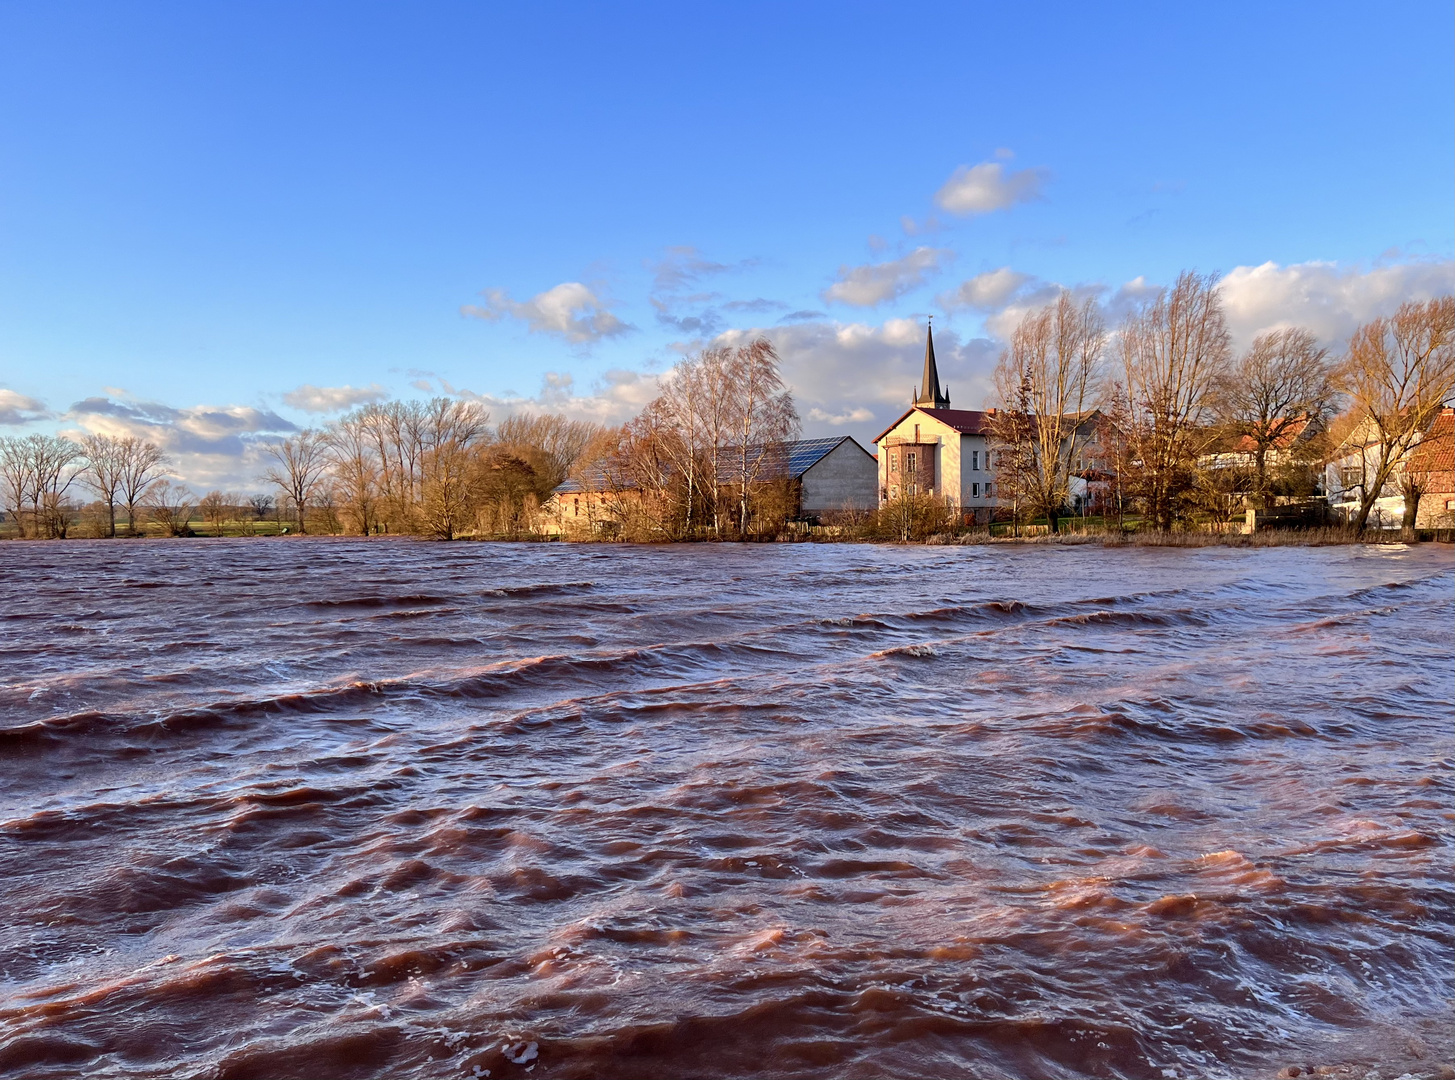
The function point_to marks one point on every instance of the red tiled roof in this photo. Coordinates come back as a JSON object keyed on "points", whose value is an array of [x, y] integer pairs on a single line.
{"points": [[1286, 438], [965, 421], [1436, 452]]}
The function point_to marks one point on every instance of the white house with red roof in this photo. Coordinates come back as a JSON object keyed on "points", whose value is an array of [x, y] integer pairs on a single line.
{"points": [[936, 450]]}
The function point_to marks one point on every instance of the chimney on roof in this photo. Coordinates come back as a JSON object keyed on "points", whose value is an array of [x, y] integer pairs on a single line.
{"points": [[929, 394]]}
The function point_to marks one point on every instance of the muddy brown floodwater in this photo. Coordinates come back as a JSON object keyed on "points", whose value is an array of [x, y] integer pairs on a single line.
{"points": [[326, 809]]}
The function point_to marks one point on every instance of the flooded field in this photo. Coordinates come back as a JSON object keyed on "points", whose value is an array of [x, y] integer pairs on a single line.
{"points": [[312, 808]]}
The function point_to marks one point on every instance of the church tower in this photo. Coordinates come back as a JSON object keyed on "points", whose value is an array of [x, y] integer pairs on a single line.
{"points": [[929, 396]]}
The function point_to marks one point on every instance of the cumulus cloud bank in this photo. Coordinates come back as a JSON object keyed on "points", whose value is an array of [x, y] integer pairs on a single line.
{"points": [[1329, 300], [867, 286], [17, 408], [615, 398], [985, 292], [990, 186], [327, 399], [207, 445], [570, 311]]}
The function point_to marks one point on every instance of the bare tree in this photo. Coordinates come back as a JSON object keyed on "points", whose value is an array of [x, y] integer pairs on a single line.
{"points": [[1399, 372], [1045, 379], [1283, 382], [718, 408], [1172, 351], [215, 506], [36, 472], [685, 397], [142, 465], [261, 506], [552, 441], [301, 464], [170, 506], [16, 466], [765, 417], [357, 469], [1013, 438], [105, 464]]}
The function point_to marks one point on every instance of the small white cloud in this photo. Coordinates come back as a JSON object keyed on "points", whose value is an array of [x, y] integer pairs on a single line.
{"points": [[985, 292], [327, 399], [866, 286], [570, 310], [852, 416], [17, 408], [981, 189]]}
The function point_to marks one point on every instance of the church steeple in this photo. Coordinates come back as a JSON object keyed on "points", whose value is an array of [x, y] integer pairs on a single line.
{"points": [[929, 396]]}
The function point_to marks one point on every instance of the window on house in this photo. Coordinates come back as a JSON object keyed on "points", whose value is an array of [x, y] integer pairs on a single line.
{"points": [[910, 461], [916, 433], [576, 507], [975, 491], [987, 491], [894, 463], [974, 460]]}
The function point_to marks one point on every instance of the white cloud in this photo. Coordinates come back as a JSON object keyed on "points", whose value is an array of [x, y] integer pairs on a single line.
{"points": [[208, 446], [17, 408], [866, 286], [859, 415], [327, 399], [570, 310], [985, 292], [980, 189], [1327, 299]]}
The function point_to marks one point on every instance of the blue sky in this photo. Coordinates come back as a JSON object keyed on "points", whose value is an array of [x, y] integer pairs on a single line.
{"points": [[205, 208]]}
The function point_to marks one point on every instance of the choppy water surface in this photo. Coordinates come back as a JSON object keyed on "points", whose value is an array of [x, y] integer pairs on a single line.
{"points": [[349, 809]]}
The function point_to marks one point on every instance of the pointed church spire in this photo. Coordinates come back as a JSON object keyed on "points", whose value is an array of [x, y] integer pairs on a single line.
{"points": [[930, 396]]}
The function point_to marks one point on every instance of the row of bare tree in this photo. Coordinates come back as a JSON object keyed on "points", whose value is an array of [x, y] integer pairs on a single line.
{"points": [[1163, 413], [434, 468], [39, 472]]}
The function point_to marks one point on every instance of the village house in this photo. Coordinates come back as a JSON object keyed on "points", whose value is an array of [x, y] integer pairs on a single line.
{"points": [[823, 477], [1432, 465], [1292, 459], [935, 450], [1354, 462]]}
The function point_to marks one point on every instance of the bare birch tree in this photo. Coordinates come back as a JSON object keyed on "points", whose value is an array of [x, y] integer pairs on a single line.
{"points": [[1399, 372], [765, 418]]}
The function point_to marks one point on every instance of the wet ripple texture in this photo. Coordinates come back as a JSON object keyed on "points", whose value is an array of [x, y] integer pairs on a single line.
{"points": [[353, 809]]}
